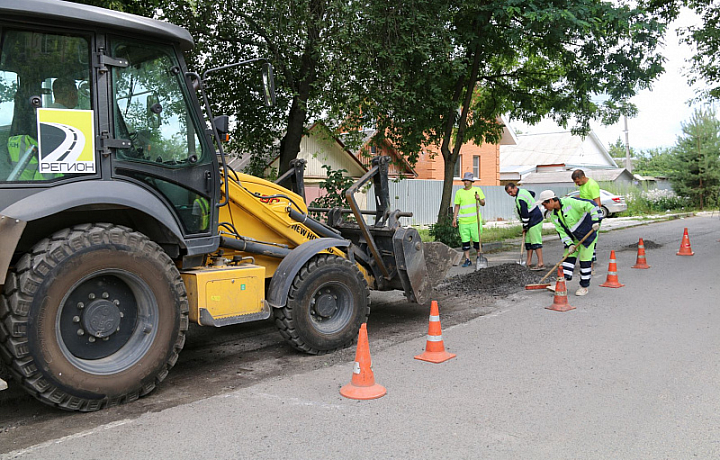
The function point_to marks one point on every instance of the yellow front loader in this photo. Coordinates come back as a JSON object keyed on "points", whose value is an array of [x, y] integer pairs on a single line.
{"points": [[274, 259]]}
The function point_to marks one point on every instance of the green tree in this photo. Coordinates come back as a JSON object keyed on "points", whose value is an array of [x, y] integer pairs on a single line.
{"points": [[696, 163], [618, 150], [448, 82], [705, 39], [655, 162]]}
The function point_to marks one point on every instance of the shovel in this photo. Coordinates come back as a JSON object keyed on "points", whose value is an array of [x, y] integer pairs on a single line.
{"points": [[482, 262], [540, 284], [522, 246]]}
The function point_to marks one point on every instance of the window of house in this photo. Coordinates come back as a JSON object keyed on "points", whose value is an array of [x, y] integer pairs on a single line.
{"points": [[456, 174], [373, 150], [476, 166]]}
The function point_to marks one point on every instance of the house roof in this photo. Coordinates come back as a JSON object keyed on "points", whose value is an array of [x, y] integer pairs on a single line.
{"points": [[562, 147], [559, 177], [368, 134], [607, 175]]}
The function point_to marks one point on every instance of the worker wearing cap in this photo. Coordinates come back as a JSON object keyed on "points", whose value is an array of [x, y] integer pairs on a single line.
{"points": [[574, 218], [465, 215], [589, 190], [531, 218]]}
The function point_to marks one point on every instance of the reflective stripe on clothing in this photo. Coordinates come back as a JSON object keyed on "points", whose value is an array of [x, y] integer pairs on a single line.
{"points": [[467, 213]]}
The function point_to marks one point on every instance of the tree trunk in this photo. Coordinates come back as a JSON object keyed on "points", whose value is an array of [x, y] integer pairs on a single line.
{"points": [[464, 86], [290, 144], [306, 78]]}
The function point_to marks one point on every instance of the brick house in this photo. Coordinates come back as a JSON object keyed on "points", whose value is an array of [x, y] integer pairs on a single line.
{"points": [[481, 160]]}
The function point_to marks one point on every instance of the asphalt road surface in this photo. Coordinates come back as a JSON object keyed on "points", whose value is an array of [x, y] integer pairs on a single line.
{"points": [[631, 373]]}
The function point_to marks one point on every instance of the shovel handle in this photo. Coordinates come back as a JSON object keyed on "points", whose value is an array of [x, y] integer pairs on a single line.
{"points": [[577, 247], [522, 244], [477, 213]]}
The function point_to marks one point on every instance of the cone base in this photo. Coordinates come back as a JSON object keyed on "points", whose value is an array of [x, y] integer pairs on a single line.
{"points": [[351, 391], [641, 266], [435, 356], [685, 253], [559, 307], [611, 284]]}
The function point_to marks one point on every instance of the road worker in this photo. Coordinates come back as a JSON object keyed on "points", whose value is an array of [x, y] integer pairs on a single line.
{"points": [[574, 218], [531, 218], [589, 190], [466, 215]]}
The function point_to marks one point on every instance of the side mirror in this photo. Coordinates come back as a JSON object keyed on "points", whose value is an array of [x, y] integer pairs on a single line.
{"points": [[268, 84], [154, 109], [222, 125]]}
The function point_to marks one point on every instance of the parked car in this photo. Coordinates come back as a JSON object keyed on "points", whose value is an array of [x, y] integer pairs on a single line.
{"points": [[610, 204]]}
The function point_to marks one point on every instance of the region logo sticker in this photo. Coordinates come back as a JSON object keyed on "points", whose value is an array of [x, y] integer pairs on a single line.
{"points": [[66, 141]]}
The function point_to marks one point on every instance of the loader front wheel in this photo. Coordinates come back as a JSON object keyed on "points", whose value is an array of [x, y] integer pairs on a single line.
{"points": [[92, 317], [328, 301]]}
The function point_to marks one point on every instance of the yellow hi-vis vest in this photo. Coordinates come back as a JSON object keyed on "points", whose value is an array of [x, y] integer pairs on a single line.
{"points": [[201, 208], [17, 146], [467, 214]]}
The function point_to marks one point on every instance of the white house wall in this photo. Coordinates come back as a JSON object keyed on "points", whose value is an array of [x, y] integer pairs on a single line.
{"points": [[318, 152]]}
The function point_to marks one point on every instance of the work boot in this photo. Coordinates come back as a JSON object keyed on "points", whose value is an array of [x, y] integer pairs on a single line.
{"points": [[467, 263], [581, 291]]}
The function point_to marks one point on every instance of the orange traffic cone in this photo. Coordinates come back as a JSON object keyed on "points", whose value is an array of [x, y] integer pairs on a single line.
{"points": [[640, 262], [434, 347], [560, 301], [362, 385], [612, 277], [685, 249]]}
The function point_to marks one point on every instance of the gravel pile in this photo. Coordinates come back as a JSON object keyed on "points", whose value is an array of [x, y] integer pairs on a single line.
{"points": [[647, 243], [495, 280]]}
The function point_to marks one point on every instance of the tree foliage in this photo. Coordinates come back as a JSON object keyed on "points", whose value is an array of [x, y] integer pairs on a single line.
{"points": [[446, 82], [696, 163], [618, 150], [655, 162]]}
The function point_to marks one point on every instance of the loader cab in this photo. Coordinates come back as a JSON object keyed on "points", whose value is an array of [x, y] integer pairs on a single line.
{"points": [[86, 97]]}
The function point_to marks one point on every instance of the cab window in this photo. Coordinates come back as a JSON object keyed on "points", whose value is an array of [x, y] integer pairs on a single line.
{"points": [[46, 126], [150, 108]]}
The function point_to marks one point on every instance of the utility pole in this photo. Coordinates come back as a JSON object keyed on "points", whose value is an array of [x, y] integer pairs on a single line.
{"points": [[628, 163]]}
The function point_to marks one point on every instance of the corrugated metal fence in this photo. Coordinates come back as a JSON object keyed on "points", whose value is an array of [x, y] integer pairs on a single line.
{"points": [[422, 198]]}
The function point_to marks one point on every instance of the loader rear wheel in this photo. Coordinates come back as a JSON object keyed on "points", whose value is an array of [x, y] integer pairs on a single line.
{"points": [[92, 317], [328, 301]]}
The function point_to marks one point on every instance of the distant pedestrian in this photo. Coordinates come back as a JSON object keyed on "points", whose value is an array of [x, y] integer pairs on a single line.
{"points": [[574, 218], [531, 218], [466, 215], [589, 190]]}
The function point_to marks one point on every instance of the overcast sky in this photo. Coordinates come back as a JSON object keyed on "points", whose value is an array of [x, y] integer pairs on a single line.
{"points": [[661, 109]]}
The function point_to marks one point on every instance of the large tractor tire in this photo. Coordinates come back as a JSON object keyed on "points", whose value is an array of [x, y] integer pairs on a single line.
{"points": [[92, 317], [327, 303]]}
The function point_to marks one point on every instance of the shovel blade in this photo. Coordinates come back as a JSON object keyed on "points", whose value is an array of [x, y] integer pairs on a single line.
{"points": [[481, 263]]}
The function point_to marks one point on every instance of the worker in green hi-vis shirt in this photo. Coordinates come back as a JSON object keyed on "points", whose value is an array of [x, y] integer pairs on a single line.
{"points": [[465, 215], [589, 190]]}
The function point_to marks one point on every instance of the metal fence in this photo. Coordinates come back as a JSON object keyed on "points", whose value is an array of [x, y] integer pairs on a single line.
{"points": [[422, 198]]}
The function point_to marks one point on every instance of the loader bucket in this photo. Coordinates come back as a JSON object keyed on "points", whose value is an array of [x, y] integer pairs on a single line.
{"points": [[414, 263], [439, 257]]}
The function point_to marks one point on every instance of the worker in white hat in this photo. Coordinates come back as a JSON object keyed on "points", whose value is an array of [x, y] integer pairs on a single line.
{"points": [[465, 215], [574, 218]]}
